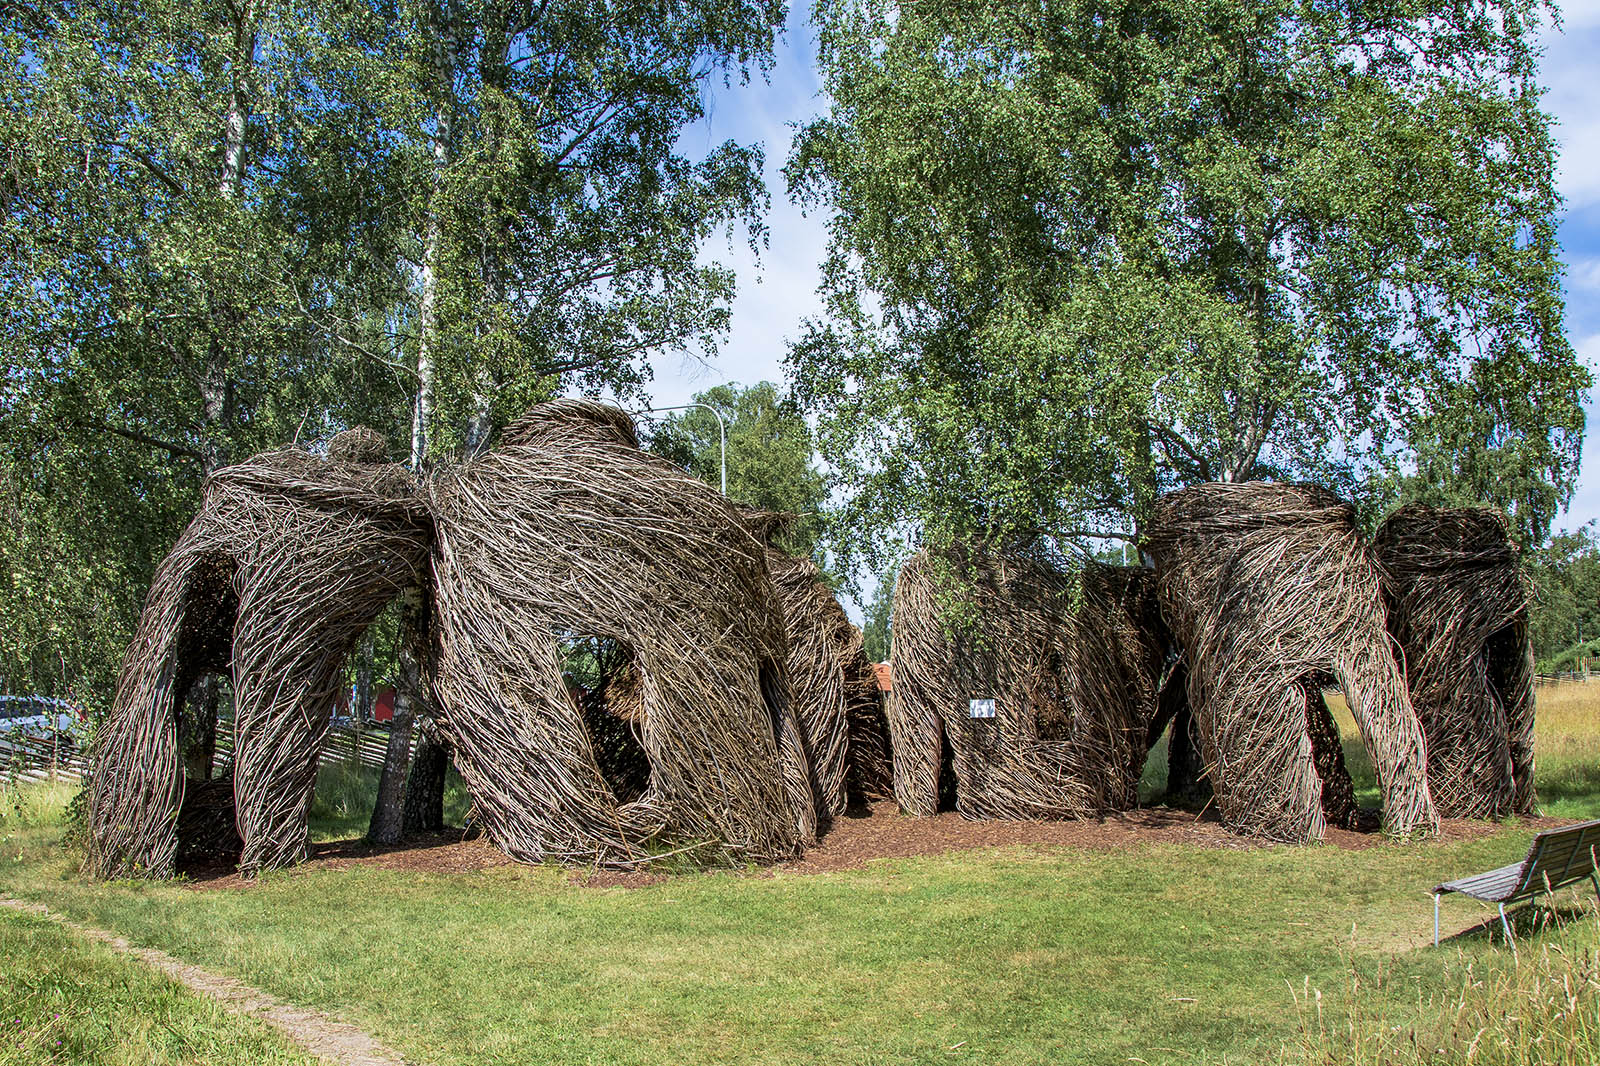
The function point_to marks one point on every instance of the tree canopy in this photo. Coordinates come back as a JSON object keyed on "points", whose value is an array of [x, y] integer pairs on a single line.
{"points": [[1082, 251], [1565, 614]]}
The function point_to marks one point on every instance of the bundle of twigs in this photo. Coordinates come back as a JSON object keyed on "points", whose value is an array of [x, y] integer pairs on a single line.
{"points": [[1070, 661], [1271, 591], [289, 560], [569, 531], [1458, 608]]}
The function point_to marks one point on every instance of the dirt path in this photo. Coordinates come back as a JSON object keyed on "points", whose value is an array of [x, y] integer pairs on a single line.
{"points": [[335, 1041]]}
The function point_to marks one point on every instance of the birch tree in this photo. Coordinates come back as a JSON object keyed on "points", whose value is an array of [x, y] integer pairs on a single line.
{"points": [[168, 229], [1083, 251]]}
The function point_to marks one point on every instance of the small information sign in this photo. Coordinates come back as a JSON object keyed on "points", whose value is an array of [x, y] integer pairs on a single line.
{"points": [[983, 708]]}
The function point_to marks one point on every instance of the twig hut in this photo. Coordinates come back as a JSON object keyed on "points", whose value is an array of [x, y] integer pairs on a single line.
{"points": [[290, 559], [1025, 690], [1272, 594], [568, 533], [1458, 609]]}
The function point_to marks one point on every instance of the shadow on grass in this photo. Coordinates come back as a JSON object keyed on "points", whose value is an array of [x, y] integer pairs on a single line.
{"points": [[1527, 920], [202, 873]]}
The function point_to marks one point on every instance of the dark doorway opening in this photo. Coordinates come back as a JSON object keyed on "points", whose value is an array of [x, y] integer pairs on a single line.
{"points": [[603, 679]]}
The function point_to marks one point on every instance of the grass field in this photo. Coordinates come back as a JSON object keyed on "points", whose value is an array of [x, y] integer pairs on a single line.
{"points": [[66, 1000], [1153, 954]]}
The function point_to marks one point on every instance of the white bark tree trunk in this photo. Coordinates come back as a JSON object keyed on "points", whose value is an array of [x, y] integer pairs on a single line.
{"points": [[234, 121], [387, 825]]}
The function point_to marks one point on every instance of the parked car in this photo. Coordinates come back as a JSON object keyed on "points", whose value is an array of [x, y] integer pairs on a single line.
{"points": [[34, 726]]}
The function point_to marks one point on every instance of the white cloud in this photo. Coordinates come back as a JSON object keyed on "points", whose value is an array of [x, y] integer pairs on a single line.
{"points": [[1583, 273], [1568, 72]]}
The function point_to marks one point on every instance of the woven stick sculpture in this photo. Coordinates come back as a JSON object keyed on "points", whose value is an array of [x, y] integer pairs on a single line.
{"points": [[1458, 608], [568, 531], [835, 693], [289, 560], [1271, 592], [1069, 662]]}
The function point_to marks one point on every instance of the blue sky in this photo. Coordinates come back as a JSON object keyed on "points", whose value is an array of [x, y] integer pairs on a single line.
{"points": [[777, 294]]}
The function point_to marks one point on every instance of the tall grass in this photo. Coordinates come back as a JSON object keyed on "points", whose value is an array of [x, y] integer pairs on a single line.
{"points": [[69, 1002], [1543, 1009], [27, 805]]}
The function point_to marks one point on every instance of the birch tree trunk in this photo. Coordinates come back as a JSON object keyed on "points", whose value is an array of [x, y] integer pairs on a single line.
{"points": [[202, 702], [388, 813], [386, 826]]}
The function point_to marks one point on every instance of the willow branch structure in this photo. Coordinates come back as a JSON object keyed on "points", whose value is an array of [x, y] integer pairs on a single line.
{"points": [[835, 692], [1027, 690], [1272, 594], [566, 533], [290, 559], [1458, 609], [565, 552]]}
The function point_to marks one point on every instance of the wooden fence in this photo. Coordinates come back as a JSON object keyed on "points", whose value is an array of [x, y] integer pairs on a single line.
{"points": [[1565, 677], [55, 755]]}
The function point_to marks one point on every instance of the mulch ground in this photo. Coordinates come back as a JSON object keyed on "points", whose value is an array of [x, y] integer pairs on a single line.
{"points": [[857, 838]]}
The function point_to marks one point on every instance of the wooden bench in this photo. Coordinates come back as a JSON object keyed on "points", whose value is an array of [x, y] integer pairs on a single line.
{"points": [[1556, 858]]}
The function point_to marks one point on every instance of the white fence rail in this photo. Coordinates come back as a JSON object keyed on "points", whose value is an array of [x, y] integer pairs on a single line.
{"points": [[54, 754]]}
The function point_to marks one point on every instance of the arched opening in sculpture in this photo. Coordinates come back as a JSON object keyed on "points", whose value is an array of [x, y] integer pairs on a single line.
{"points": [[603, 677], [290, 559]]}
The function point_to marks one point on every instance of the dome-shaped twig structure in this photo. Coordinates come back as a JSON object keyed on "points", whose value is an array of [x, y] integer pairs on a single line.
{"points": [[566, 533], [1272, 593], [1070, 661], [290, 559], [1458, 608]]}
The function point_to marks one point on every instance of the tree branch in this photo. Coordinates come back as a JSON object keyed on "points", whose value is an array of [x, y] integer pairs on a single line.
{"points": [[180, 450]]}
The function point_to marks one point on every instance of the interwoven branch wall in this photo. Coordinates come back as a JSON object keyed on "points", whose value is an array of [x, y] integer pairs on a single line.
{"points": [[1458, 608], [1269, 589], [289, 560], [835, 694], [569, 530], [1072, 662]]}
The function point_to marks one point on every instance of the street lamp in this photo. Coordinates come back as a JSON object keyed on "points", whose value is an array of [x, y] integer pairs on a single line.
{"points": [[722, 433]]}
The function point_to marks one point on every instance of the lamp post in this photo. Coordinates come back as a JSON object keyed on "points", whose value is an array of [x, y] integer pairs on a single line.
{"points": [[722, 433]]}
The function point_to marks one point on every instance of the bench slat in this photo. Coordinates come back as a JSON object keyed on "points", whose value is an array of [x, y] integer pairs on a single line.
{"points": [[1493, 886], [1558, 857], [1562, 860]]}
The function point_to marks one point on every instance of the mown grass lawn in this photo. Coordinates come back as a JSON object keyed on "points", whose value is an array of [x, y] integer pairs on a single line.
{"points": [[1024, 955]]}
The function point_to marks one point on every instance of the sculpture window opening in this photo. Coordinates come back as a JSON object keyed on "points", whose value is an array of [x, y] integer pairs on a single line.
{"points": [[603, 679]]}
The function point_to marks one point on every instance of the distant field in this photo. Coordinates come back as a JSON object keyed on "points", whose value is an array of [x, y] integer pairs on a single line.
{"points": [[1019, 955], [1566, 750]]}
